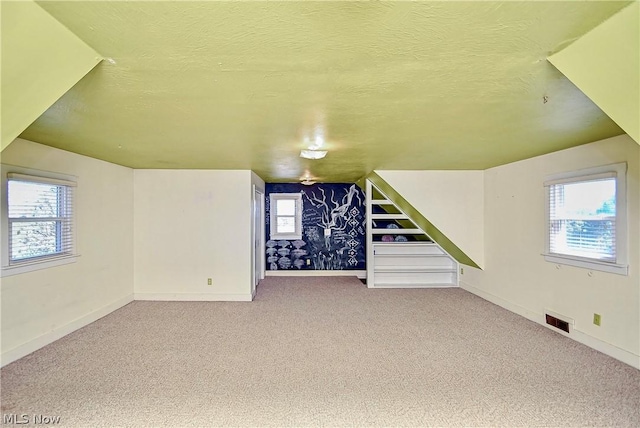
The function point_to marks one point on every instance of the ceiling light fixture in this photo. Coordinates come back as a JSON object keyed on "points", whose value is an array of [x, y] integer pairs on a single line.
{"points": [[307, 181], [318, 141], [313, 154]]}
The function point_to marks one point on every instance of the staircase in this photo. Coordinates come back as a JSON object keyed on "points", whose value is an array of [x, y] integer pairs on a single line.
{"points": [[399, 253]]}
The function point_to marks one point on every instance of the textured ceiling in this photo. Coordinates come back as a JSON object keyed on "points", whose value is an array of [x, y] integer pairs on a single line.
{"points": [[240, 85]]}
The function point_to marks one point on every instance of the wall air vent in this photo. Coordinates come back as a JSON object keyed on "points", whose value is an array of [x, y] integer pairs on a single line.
{"points": [[557, 323]]}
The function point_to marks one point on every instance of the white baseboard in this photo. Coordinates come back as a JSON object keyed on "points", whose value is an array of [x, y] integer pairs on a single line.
{"points": [[193, 297], [577, 335], [606, 348], [512, 307], [42, 341], [362, 274]]}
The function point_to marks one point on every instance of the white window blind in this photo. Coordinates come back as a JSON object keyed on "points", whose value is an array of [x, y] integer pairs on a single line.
{"points": [[586, 215], [582, 218], [40, 218]]}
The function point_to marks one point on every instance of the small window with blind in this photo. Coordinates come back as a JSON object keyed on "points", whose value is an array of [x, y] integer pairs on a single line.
{"points": [[37, 220], [586, 219], [285, 215]]}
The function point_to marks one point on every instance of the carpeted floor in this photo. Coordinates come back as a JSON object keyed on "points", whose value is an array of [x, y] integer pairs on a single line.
{"points": [[322, 352]]}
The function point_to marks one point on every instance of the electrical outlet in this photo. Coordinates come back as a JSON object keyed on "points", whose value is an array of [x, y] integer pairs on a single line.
{"points": [[308, 262], [461, 271], [209, 281], [596, 319]]}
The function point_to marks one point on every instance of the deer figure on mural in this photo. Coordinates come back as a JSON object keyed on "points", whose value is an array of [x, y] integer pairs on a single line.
{"points": [[334, 213]]}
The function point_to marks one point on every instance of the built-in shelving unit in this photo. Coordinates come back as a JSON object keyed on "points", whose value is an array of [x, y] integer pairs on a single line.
{"points": [[399, 253]]}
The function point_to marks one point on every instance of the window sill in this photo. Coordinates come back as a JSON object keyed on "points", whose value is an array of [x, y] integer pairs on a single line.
{"points": [[37, 265], [289, 237], [619, 269]]}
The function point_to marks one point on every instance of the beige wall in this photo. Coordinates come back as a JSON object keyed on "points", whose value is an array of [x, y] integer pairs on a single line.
{"points": [[517, 277], [188, 226], [41, 306], [191, 225], [453, 201]]}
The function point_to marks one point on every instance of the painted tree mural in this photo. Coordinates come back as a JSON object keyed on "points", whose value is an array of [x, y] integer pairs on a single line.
{"points": [[333, 229], [334, 213]]}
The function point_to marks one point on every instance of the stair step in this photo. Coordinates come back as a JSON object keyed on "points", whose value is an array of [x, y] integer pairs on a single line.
{"points": [[403, 269], [413, 285], [381, 202], [389, 217], [397, 232], [405, 255]]}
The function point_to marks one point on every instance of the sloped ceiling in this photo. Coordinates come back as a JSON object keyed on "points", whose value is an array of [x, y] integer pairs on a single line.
{"points": [[605, 65], [419, 85], [41, 60]]}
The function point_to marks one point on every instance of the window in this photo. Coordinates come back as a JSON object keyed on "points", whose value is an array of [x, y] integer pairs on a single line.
{"points": [[37, 220], [586, 219], [285, 215]]}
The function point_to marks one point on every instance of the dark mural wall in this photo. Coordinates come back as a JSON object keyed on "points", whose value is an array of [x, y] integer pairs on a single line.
{"points": [[339, 207]]}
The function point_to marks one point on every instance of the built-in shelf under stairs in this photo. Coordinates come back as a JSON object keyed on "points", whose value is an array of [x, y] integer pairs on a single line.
{"points": [[399, 253]]}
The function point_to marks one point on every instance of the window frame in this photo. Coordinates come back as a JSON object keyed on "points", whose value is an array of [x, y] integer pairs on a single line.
{"points": [[8, 268], [620, 266], [273, 215]]}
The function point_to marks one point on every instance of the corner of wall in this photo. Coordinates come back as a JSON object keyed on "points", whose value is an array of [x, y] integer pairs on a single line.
{"points": [[43, 305], [518, 278]]}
